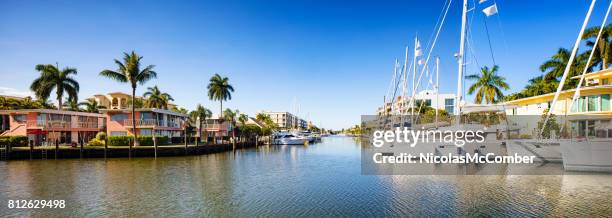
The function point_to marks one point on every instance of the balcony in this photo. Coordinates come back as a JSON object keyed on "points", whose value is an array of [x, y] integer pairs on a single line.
{"points": [[152, 123], [53, 124]]}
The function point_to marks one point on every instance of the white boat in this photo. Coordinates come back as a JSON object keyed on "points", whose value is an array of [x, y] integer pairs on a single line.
{"points": [[589, 154], [306, 134], [285, 138]]}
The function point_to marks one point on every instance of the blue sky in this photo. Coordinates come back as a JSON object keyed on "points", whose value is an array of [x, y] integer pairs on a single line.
{"points": [[334, 57]]}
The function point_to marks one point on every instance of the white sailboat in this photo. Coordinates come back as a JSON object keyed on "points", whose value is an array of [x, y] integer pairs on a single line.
{"points": [[588, 154]]}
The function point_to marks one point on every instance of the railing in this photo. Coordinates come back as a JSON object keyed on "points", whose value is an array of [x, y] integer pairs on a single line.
{"points": [[147, 122], [90, 125], [214, 126], [48, 124], [152, 122], [52, 124]]}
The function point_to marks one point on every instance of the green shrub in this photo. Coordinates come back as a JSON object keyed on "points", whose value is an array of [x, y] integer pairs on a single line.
{"points": [[95, 142], [18, 141], [148, 140], [120, 140], [101, 136], [4, 140], [143, 140]]}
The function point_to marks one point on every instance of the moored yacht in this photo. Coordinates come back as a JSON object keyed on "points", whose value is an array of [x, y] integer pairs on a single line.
{"points": [[286, 138]]}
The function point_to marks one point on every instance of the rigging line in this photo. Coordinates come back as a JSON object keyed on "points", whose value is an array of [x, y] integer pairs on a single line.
{"points": [[489, 39], [586, 67], [502, 30], [391, 83], [430, 50], [470, 45], [427, 87], [437, 23]]}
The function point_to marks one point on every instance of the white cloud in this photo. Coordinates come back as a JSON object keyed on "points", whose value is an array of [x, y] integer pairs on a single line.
{"points": [[14, 92]]}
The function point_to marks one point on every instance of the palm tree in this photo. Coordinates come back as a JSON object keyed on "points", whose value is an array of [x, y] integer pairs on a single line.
{"points": [[539, 86], [180, 110], [555, 67], [200, 114], [220, 89], [91, 105], [230, 116], [71, 104], [243, 118], [129, 72], [52, 78], [156, 98], [604, 46], [489, 85]]}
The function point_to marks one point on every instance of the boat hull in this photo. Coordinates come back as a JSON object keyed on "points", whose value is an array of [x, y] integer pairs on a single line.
{"points": [[590, 156], [290, 141]]}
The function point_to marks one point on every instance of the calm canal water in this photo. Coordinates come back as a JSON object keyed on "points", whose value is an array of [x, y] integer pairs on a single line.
{"points": [[318, 180]]}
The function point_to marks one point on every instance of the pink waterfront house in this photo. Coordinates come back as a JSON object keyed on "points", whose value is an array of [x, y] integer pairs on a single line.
{"points": [[46, 126], [149, 121]]}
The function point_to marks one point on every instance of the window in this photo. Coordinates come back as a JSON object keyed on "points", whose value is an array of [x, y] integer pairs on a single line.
{"points": [[428, 102], [118, 133], [580, 105], [119, 117], [19, 118], [605, 102], [449, 105], [146, 132], [604, 82], [146, 116], [593, 103], [40, 119]]}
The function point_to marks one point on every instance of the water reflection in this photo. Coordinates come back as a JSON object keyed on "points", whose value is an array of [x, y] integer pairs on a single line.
{"points": [[319, 179]]}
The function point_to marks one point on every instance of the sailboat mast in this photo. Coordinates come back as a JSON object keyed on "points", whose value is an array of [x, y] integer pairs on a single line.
{"points": [[437, 88], [460, 63], [414, 71]]}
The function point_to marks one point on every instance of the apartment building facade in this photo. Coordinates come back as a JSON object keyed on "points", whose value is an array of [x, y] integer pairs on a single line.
{"points": [[47, 126], [286, 120], [149, 122], [591, 109]]}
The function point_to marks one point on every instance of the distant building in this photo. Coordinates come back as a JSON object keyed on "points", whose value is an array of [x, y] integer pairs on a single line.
{"points": [[286, 120], [114, 100], [119, 100], [426, 97], [216, 126]]}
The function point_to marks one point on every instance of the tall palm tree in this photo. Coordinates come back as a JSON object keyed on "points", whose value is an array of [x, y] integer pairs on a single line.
{"points": [[219, 89], [52, 78], [604, 46], [489, 85], [202, 113], [129, 72], [91, 105], [156, 98]]}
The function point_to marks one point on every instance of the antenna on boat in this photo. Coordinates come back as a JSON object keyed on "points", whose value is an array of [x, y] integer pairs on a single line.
{"points": [[567, 67]]}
